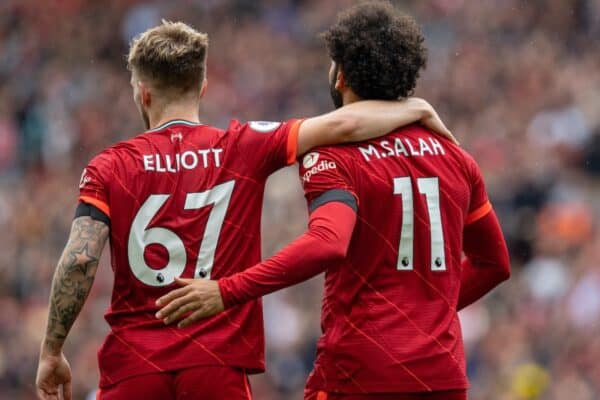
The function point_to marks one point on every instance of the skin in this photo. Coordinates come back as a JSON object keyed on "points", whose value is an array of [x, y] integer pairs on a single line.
{"points": [[71, 285]]}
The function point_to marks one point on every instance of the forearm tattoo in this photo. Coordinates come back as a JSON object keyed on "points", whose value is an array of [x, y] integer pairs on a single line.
{"points": [[74, 277]]}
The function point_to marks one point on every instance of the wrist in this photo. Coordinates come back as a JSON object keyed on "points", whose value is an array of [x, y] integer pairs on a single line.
{"points": [[222, 285], [425, 109], [50, 348]]}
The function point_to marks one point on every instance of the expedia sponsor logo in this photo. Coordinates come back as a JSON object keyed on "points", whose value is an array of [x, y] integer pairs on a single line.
{"points": [[322, 166]]}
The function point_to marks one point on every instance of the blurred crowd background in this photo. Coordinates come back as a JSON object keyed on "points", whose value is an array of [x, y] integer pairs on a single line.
{"points": [[518, 82]]}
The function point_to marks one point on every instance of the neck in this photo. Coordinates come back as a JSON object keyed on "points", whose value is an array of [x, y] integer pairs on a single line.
{"points": [[349, 97], [188, 112]]}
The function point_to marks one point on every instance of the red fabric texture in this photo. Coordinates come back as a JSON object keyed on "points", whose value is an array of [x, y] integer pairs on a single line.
{"points": [[208, 383], [441, 395], [178, 167], [486, 263]]}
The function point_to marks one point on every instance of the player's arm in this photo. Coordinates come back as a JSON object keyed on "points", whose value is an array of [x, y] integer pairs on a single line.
{"points": [[71, 285], [327, 239], [487, 263], [365, 120]]}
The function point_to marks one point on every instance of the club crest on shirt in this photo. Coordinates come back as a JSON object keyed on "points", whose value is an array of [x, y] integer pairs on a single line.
{"points": [[310, 159], [264, 126], [176, 136]]}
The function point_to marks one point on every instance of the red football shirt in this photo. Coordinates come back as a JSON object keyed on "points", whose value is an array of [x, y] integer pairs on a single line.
{"points": [[389, 315], [184, 200]]}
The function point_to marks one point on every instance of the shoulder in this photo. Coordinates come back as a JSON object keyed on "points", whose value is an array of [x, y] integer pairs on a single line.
{"points": [[314, 156], [324, 161], [253, 126], [263, 128]]}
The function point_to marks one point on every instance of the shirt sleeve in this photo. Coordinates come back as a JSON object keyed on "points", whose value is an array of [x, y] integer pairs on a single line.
{"points": [[326, 240], [479, 205], [486, 261], [93, 187], [267, 146], [325, 179]]}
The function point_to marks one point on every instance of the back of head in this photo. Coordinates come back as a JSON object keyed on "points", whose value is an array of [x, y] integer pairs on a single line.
{"points": [[379, 49], [171, 57]]}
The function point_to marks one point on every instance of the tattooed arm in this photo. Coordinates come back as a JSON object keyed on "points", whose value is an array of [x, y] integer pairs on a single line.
{"points": [[70, 287]]}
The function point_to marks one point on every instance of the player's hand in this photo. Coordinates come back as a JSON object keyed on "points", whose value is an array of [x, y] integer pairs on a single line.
{"points": [[53, 377], [432, 120], [200, 298]]}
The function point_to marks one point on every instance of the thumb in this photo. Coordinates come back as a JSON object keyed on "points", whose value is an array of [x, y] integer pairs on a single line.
{"points": [[67, 390], [183, 281]]}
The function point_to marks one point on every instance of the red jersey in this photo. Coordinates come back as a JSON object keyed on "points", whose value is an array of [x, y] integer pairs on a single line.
{"points": [[389, 316], [184, 200]]}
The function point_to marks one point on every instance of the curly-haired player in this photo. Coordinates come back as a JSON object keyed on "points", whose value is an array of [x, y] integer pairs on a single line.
{"points": [[389, 220], [381, 51]]}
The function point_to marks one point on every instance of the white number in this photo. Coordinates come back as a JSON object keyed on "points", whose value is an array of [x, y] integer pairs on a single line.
{"points": [[140, 236], [220, 196], [431, 189], [403, 187]]}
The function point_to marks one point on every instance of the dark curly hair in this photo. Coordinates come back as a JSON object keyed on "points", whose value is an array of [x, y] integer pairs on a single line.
{"points": [[379, 49]]}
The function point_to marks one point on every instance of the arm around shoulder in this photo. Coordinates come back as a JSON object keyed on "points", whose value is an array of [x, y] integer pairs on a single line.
{"points": [[368, 119]]}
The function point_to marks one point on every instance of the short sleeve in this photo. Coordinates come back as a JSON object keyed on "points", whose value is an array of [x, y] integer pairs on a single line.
{"points": [[325, 178], [479, 205], [267, 146], [93, 186]]}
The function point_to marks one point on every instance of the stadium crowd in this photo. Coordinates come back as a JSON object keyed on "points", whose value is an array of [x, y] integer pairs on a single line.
{"points": [[517, 81]]}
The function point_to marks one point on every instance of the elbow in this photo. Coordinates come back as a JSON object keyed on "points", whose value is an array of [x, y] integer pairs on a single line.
{"points": [[505, 265], [505, 274], [335, 252]]}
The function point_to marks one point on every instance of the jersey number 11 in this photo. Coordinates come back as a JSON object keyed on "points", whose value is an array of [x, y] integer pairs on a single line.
{"points": [[431, 189]]}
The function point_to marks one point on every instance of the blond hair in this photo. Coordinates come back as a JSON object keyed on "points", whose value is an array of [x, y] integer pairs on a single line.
{"points": [[172, 56]]}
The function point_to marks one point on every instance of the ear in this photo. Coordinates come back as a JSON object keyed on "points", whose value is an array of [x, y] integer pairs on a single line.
{"points": [[204, 87], [145, 94], [340, 80]]}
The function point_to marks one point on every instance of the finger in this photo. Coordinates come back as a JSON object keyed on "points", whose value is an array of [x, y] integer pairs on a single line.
{"points": [[174, 305], [47, 394], [450, 136], [180, 312], [194, 317], [172, 295], [446, 132], [67, 390]]}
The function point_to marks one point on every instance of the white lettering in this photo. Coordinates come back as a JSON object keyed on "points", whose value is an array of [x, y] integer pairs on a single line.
{"points": [[437, 146], [168, 163], [158, 167], [385, 144], [188, 154], [369, 151], [399, 147], [216, 153], [322, 166], [148, 162], [187, 160], [412, 150], [204, 154], [402, 147], [424, 147]]}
